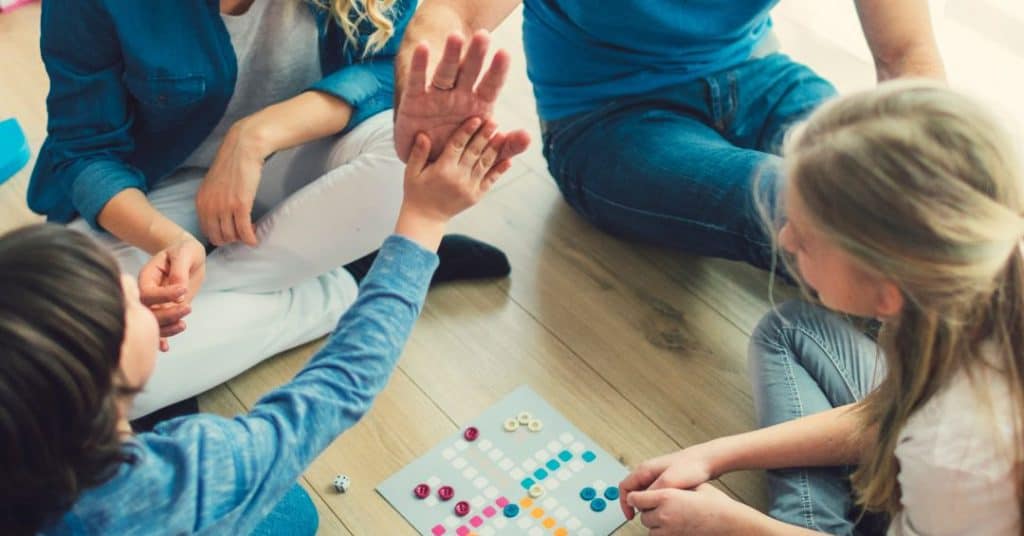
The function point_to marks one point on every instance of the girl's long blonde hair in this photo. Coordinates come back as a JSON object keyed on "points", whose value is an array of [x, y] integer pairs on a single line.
{"points": [[919, 184], [353, 16]]}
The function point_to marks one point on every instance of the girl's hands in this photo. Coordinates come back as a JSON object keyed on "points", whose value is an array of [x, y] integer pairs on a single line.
{"points": [[457, 180], [226, 196], [685, 469], [704, 511], [169, 282]]}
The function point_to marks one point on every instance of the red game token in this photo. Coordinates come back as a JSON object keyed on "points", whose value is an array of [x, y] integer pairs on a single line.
{"points": [[421, 491], [461, 508], [446, 493], [471, 433]]}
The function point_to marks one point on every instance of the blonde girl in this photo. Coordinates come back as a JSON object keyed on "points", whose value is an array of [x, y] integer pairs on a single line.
{"points": [[904, 204], [233, 154]]}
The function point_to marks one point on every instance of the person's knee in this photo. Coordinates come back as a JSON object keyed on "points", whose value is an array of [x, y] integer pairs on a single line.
{"points": [[373, 139], [772, 333]]}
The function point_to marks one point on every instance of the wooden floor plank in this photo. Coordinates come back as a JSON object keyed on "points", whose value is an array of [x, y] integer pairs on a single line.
{"points": [[668, 353], [402, 425], [23, 88]]}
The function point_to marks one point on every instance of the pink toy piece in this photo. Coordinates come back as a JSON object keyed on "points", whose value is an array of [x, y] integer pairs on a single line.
{"points": [[501, 502], [445, 493], [421, 491], [476, 521], [490, 511], [438, 530], [471, 434], [462, 531], [461, 508]]}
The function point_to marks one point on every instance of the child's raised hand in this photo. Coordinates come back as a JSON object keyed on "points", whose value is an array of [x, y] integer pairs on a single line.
{"points": [[437, 191]]}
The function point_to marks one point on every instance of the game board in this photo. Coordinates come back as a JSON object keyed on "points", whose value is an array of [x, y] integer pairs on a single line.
{"points": [[539, 477]]}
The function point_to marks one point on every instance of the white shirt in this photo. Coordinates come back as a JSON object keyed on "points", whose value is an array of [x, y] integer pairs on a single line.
{"points": [[956, 462], [276, 43]]}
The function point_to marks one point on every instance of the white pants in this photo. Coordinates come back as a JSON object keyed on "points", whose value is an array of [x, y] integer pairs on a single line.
{"points": [[319, 206]]}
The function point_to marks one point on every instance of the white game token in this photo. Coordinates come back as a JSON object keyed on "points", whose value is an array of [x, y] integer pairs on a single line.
{"points": [[524, 417], [511, 425], [535, 425], [536, 490]]}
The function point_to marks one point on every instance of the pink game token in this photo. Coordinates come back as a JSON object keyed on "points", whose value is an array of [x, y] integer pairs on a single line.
{"points": [[461, 508], [421, 491], [445, 493], [471, 433]]}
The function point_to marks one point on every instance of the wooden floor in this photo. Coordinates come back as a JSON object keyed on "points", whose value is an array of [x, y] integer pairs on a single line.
{"points": [[644, 349]]}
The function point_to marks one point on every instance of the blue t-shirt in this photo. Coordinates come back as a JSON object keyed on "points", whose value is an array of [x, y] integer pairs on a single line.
{"points": [[583, 53]]}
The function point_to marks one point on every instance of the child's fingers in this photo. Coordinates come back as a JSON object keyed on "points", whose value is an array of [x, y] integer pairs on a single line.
{"points": [[164, 346], [488, 157], [419, 155], [170, 314], [478, 144], [494, 174], [460, 139], [172, 330]]}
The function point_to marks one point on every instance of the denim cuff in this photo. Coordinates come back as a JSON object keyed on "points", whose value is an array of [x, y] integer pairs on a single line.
{"points": [[97, 182], [367, 87]]}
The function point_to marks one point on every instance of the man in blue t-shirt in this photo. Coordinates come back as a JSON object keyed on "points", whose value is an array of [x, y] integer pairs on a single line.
{"points": [[657, 116]]}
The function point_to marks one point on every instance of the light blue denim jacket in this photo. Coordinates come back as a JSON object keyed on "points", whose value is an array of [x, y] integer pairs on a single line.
{"points": [[213, 475], [136, 86]]}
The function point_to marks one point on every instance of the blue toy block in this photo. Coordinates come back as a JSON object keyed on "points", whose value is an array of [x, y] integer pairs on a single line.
{"points": [[14, 153]]}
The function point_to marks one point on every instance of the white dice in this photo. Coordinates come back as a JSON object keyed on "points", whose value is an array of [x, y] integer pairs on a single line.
{"points": [[341, 483]]}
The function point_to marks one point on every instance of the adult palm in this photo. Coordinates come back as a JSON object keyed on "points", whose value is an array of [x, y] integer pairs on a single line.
{"points": [[452, 97]]}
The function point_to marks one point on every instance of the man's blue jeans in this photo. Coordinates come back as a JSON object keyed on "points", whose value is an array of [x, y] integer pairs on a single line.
{"points": [[805, 360], [677, 167]]}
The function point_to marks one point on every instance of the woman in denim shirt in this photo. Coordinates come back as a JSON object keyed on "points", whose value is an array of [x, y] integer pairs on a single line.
{"points": [[175, 125]]}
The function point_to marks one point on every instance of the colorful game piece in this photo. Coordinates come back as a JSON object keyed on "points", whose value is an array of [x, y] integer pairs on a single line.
{"points": [[612, 493], [14, 151], [471, 434], [421, 491], [535, 425], [535, 491], [524, 417], [445, 493], [512, 484], [589, 456], [588, 493], [341, 483]]}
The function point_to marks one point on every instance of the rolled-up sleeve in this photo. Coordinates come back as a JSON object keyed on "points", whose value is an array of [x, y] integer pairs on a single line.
{"points": [[367, 82], [82, 163]]}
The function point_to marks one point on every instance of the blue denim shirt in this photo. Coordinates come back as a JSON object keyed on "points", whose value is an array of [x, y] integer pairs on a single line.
{"points": [[135, 87], [213, 475]]}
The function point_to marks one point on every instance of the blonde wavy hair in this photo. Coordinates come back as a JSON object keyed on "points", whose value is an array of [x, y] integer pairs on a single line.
{"points": [[350, 15], [919, 184]]}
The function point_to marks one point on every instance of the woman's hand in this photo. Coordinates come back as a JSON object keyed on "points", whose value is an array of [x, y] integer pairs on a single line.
{"points": [[457, 180], [169, 282], [226, 196], [685, 469], [702, 511]]}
